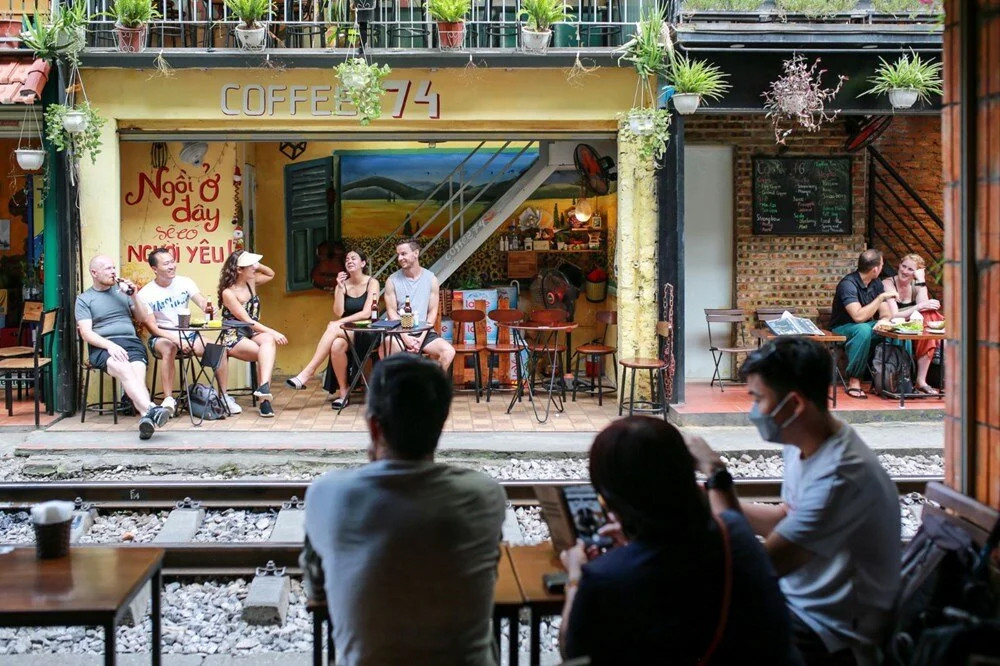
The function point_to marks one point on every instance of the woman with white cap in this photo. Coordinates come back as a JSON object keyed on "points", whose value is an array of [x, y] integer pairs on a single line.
{"points": [[241, 275]]}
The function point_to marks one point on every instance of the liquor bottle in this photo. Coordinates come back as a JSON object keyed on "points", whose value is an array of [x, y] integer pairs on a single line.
{"points": [[407, 309]]}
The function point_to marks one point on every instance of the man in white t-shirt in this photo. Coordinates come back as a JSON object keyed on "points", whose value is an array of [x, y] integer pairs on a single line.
{"points": [[165, 296]]}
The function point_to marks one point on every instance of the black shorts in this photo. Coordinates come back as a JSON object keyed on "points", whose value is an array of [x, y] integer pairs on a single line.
{"points": [[136, 352], [429, 338]]}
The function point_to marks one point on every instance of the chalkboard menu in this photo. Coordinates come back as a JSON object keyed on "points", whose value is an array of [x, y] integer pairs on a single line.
{"points": [[802, 196]]}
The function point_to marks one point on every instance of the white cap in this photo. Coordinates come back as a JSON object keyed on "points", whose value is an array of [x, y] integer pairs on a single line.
{"points": [[248, 259]]}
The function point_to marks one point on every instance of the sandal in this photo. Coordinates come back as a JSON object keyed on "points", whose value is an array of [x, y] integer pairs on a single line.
{"points": [[856, 393], [340, 403], [295, 383], [929, 390]]}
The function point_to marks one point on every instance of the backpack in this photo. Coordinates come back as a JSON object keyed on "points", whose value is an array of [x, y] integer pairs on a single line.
{"points": [[898, 369], [206, 403], [935, 374], [944, 591]]}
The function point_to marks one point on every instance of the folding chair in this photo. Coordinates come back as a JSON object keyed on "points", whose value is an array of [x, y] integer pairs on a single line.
{"points": [[730, 316]]}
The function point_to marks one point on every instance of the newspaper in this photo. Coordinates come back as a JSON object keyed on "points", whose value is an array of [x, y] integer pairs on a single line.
{"points": [[789, 324]]}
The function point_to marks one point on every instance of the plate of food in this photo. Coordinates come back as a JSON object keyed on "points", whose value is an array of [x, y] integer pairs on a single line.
{"points": [[361, 324], [909, 327]]}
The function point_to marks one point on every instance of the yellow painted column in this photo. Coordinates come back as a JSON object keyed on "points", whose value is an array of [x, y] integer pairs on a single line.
{"points": [[100, 200], [636, 257]]}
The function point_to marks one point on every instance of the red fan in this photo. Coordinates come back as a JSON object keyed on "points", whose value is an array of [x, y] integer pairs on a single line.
{"points": [[597, 171], [862, 134]]}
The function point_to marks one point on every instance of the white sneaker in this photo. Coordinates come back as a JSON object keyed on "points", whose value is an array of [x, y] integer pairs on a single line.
{"points": [[170, 405], [234, 407]]}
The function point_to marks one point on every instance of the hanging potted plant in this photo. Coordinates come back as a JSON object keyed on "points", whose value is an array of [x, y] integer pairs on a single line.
{"points": [[798, 96], [905, 81], [648, 51], [363, 83], [536, 32], [450, 17], [28, 158], [84, 141], [251, 31], [132, 19], [693, 81], [71, 28]]}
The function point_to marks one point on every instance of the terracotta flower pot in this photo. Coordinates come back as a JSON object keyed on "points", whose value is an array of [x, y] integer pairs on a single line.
{"points": [[451, 34], [10, 33], [131, 40]]}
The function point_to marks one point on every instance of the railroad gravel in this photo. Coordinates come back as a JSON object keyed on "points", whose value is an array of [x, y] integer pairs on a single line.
{"points": [[125, 526], [234, 525]]}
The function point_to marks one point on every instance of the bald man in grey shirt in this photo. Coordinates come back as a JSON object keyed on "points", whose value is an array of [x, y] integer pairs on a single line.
{"points": [[408, 548]]}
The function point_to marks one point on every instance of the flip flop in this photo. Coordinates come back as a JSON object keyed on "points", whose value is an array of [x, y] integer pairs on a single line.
{"points": [[928, 390], [856, 393], [293, 382]]}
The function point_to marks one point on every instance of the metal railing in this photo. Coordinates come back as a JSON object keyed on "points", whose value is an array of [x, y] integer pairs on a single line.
{"points": [[392, 24], [766, 11]]}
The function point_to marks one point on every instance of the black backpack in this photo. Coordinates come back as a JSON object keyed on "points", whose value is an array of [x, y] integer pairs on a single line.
{"points": [[206, 403], [894, 365]]}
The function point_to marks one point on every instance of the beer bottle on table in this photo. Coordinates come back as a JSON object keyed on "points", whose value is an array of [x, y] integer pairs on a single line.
{"points": [[374, 313], [406, 306]]}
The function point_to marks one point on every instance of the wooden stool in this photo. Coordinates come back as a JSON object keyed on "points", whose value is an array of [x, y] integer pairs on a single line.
{"points": [[495, 350], [597, 350], [461, 318], [657, 381]]}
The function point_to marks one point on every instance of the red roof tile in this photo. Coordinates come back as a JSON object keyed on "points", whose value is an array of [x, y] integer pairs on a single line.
{"points": [[22, 80]]}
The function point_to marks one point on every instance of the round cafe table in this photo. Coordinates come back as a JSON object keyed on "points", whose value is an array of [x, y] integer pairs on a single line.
{"points": [[545, 343], [381, 336]]}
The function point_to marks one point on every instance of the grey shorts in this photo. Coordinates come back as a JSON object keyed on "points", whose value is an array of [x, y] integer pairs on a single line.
{"points": [[136, 352]]}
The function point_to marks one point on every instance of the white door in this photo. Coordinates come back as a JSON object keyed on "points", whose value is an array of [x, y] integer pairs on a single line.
{"points": [[708, 250]]}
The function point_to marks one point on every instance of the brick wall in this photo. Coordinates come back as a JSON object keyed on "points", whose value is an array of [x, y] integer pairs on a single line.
{"points": [[800, 271], [972, 423], [912, 145]]}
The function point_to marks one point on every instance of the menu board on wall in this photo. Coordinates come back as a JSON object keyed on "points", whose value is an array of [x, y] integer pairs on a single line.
{"points": [[802, 196]]}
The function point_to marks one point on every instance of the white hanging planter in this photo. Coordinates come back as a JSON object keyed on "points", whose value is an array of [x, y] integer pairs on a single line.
{"points": [[353, 80], [75, 122], [252, 39], [902, 98], [30, 159], [641, 122], [686, 103], [534, 41]]}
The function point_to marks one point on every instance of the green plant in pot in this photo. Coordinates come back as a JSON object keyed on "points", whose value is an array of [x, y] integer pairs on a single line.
{"points": [[450, 16], [693, 81], [39, 34], [78, 129], [650, 128], [540, 15], [905, 81], [71, 23], [132, 19], [251, 29], [649, 51], [363, 84]]}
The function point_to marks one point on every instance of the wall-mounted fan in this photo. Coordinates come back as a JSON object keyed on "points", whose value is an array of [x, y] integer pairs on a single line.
{"points": [[552, 290], [193, 152], [596, 172], [861, 134]]}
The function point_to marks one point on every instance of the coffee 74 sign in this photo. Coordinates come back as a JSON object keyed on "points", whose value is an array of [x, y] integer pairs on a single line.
{"points": [[404, 99]]}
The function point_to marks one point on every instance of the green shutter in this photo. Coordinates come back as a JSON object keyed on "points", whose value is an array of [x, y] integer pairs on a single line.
{"points": [[307, 217]]}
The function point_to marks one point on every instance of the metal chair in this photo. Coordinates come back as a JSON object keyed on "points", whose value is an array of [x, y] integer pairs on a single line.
{"points": [[154, 392], [97, 407], [31, 316], [555, 351], [596, 350], [656, 367], [493, 351], [30, 370], [774, 312], [461, 318], [728, 316]]}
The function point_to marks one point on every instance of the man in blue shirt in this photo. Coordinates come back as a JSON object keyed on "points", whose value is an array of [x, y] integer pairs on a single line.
{"points": [[856, 305], [835, 538]]}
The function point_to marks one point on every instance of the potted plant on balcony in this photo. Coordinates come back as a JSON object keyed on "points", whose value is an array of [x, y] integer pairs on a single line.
{"points": [[905, 81], [132, 19], [251, 31], [536, 33], [363, 83], [450, 17], [77, 129], [71, 29], [694, 80]]}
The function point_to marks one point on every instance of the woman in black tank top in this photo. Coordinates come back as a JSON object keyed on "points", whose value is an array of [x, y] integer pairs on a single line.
{"points": [[913, 296], [352, 301]]}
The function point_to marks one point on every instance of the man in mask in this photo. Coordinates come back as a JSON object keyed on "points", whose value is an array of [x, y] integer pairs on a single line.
{"points": [[834, 540]]}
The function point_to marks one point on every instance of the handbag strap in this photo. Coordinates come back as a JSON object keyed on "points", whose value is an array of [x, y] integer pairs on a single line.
{"points": [[727, 592]]}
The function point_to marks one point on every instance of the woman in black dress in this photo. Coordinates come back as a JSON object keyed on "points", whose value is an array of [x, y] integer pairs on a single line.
{"points": [[353, 297]]}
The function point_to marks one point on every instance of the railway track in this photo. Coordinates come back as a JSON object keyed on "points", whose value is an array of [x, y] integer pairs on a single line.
{"points": [[226, 560]]}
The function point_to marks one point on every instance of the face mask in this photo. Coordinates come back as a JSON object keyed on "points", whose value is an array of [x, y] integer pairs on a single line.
{"points": [[768, 428]]}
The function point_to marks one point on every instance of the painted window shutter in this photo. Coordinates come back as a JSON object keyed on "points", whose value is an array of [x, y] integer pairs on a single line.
{"points": [[307, 218]]}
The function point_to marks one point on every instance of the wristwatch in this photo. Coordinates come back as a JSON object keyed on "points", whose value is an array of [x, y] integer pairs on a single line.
{"points": [[721, 479]]}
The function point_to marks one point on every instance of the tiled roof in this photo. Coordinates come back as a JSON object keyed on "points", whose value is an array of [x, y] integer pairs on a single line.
{"points": [[22, 80]]}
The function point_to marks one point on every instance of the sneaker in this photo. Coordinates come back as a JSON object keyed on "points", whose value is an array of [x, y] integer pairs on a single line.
{"points": [[265, 409], [263, 392], [234, 407], [158, 415], [170, 405], [146, 427]]}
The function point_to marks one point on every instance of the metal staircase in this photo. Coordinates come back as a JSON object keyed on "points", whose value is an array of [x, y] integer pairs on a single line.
{"points": [[458, 239]]}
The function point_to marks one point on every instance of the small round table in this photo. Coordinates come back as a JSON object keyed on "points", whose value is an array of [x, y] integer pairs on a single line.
{"points": [[546, 343], [382, 335]]}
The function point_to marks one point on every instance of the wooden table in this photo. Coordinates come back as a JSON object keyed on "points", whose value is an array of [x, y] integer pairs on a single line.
{"points": [[546, 342], [827, 338], [530, 564], [916, 337], [92, 586], [507, 602]]}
